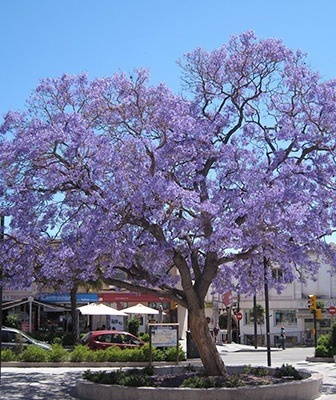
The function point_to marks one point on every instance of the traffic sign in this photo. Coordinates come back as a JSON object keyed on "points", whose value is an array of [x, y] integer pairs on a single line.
{"points": [[239, 316], [332, 310]]}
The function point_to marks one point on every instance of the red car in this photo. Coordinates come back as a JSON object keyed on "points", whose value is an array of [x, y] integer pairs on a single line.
{"points": [[105, 339]]}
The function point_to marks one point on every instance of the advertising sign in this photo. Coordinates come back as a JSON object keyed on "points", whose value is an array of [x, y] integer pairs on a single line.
{"points": [[65, 297]]}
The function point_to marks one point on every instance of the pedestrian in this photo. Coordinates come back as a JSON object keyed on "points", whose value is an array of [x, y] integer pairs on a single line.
{"points": [[282, 338]]}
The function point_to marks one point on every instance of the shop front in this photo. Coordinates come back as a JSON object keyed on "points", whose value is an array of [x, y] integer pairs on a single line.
{"points": [[122, 300]]}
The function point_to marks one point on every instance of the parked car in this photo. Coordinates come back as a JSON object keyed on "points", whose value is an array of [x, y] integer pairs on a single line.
{"points": [[105, 339], [15, 339]]}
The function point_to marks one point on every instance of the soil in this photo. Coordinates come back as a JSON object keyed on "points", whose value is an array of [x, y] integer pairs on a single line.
{"points": [[243, 379]]}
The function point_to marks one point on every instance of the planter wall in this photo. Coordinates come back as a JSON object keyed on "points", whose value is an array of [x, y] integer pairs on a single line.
{"points": [[306, 389]]}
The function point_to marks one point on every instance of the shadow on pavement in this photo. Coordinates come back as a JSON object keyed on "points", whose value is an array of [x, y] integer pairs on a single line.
{"points": [[38, 386]]}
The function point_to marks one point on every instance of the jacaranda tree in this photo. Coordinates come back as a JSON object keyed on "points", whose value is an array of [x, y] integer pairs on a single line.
{"points": [[218, 185]]}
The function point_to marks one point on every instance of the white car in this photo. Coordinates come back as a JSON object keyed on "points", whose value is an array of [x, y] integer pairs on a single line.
{"points": [[12, 338]]}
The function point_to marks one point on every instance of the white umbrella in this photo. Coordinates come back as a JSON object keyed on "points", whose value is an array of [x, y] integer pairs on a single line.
{"points": [[99, 309], [140, 309]]}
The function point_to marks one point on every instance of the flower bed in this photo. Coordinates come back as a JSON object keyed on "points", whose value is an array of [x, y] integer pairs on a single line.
{"points": [[305, 387]]}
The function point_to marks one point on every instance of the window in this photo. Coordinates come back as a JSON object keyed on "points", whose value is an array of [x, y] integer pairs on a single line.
{"points": [[285, 317], [249, 318], [277, 274]]}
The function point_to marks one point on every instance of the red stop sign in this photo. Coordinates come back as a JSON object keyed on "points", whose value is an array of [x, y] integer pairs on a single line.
{"points": [[332, 310], [239, 316]]}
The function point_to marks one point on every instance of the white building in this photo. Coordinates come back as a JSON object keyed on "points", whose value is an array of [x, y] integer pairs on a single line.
{"points": [[290, 309]]}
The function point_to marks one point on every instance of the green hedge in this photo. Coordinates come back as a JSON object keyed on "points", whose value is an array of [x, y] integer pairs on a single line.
{"points": [[83, 354]]}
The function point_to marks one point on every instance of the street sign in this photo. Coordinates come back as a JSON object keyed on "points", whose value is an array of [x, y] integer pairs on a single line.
{"points": [[239, 316], [332, 310]]}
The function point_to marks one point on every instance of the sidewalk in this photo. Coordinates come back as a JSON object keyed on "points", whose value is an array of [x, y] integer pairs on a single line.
{"points": [[235, 347]]}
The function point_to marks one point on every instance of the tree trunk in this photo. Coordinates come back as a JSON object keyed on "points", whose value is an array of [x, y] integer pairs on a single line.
{"points": [[74, 313], [212, 362]]}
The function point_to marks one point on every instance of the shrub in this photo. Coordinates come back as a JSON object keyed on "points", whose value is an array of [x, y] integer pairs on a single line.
{"points": [[82, 353], [256, 371], [333, 336], [8, 355], [13, 320], [133, 326], [324, 346], [170, 353], [287, 370], [144, 337], [114, 354], [135, 380], [198, 382], [234, 381], [322, 351], [133, 377], [58, 353], [34, 354], [110, 378]]}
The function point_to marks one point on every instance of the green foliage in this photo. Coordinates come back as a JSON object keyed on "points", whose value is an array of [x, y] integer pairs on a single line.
{"points": [[135, 380], [325, 346], [8, 355], [115, 354], [234, 381], [12, 320], [333, 336], [287, 370], [133, 377], [256, 371], [34, 354], [198, 382], [320, 304], [82, 353], [322, 351], [324, 340], [133, 326], [58, 353], [145, 337], [170, 354], [111, 378]]}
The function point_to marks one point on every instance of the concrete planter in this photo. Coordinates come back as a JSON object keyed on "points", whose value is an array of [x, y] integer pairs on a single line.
{"points": [[320, 359], [306, 389]]}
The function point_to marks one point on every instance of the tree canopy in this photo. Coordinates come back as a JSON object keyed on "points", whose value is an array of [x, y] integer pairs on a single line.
{"points": [[236, 170]]}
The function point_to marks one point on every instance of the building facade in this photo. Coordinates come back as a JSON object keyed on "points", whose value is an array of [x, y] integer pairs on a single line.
{"points": [[290, 310]]}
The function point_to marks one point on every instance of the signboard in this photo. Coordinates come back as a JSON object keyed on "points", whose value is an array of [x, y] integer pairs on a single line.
{"points": [[163, 335], [227, 298], [65, 297]]}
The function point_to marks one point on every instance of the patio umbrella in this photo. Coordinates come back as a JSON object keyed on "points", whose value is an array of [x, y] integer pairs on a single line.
{"points": [[140, 309], [99, 309]]}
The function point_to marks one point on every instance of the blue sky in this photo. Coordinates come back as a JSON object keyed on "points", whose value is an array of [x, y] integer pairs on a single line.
{"points": [[46, 38]]}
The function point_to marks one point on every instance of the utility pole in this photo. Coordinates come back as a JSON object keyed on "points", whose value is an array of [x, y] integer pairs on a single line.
{"points": [[267, 315], [255, 321]]}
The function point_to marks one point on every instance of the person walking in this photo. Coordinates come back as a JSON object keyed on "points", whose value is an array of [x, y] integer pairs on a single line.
{"points": [[282, 338]]}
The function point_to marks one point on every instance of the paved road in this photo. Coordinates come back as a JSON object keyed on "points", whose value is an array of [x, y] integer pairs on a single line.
{"points": [[39, 383], [59, 383]]}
